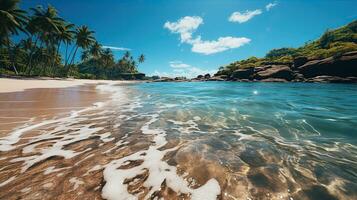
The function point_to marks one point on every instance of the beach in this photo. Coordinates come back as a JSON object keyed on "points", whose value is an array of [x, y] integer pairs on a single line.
{"points": [[134, 140]]}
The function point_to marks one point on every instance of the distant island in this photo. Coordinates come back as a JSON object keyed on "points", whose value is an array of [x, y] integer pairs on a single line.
{"points": [[47, 45], [331, 58]]}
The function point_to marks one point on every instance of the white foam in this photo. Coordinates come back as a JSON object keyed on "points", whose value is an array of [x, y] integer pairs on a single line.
{"points": [[7, 143], [159, 171], [208, 191], [59, 140]]}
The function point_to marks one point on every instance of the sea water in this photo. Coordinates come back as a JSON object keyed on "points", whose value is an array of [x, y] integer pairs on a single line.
{"points": [[192, 140]]}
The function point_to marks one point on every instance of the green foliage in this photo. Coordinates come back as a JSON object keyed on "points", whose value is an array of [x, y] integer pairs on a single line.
{"points": [[277, 53], [331, 43], [38, 53]]}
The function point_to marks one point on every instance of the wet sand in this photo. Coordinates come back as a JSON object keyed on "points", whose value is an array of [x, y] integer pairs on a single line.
{"points": [[18, 108]]}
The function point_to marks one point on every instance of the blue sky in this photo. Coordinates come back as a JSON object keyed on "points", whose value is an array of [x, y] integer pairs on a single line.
{"points": [[187, 37]]}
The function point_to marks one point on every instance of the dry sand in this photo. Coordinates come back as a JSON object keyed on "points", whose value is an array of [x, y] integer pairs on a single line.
{"points": [[15, 85]]}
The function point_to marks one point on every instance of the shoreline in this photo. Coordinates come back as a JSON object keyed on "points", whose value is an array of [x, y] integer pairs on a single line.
{"points": [[8, 85]]}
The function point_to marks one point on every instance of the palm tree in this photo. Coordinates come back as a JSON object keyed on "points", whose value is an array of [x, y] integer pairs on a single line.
{"points": [[108, 57], [84, 38], [47, 23], [66, 36], [96, 50], [34, 30], [12, 21], [127, 55], [141, 58], [85, 55], [133, 66]]}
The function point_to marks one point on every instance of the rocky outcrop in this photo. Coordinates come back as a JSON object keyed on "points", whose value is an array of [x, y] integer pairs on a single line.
{"points": [[274, 71], [341, 66], [299, 61], [337, 69], [218, 78], [246, 73]]}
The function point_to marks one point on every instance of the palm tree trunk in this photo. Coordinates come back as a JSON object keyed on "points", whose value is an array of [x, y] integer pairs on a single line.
{"points": [[69, 55], [11, 57], [72, 61], [66, 55], [28, 66], [31, 67], [52, 69]]}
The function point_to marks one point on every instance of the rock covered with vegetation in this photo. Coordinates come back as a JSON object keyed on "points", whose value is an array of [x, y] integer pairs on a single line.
{"points": [[331, 58]]}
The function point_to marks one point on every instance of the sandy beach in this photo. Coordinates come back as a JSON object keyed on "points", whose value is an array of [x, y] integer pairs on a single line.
{"points": [[24, 100], [16, 85]]}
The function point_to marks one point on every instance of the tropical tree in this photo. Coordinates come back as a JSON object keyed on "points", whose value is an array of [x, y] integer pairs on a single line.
{"points": [[96, 50], [141, 58], [85, 55], [127, 55], [12, 20], [84, 38], [107, 57], [46, 23], [66, 36]]}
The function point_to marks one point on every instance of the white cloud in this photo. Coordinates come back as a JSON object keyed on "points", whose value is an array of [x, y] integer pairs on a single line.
{"points": [[187, 25], [222, 44], [270, 6], [244, 17], [116, 48], [178, 64]]}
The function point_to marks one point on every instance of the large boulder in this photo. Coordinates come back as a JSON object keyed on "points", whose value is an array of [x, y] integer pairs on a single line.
{"points": [[246, 73], [342, 66], [274, 71], [299, 61]]}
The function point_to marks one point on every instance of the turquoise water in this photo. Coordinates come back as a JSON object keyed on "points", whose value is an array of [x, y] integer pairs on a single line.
{"points": [[192, 140], [276, 138], [294, 112]]}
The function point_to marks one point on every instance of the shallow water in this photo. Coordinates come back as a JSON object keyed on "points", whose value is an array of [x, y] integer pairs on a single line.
{"points": [[284, 139], [199, 140]]}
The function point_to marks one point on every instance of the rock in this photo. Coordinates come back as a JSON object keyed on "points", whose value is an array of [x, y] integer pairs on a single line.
{"points": [[217, 78], [180, 79], [299, 61], [298, 77], [164, 79], [342, 66], [331, 79], [274, 71], [245, 73], [277, 80], [207, 76]]}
